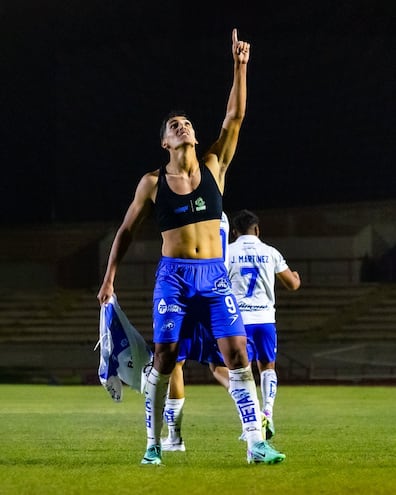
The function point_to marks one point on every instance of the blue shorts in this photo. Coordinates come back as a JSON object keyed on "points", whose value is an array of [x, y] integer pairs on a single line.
{"points": [[201, 347], [189, 291], [262, 342]]}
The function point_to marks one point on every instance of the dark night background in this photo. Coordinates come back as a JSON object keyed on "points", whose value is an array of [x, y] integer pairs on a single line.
{"points": [[85, 84]]}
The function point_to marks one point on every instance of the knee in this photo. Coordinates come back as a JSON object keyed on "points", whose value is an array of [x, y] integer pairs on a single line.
{"points": [[234, 352], [237, 358], [164, 361]]}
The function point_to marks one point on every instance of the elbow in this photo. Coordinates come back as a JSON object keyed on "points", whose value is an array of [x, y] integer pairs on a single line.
{"points": [[236, 115], [293, 285], [296, 282], [124, 235], [296, 285]]}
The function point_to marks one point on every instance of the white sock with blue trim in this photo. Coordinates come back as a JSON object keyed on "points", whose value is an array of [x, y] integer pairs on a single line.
{"points": [[269, 385], [243, 390], [173, 414], [155, 392]]}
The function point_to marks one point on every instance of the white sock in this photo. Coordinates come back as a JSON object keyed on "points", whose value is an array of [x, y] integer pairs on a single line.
{"points": [[269, 386], [244, 392], [173, 415], [155, 393]]}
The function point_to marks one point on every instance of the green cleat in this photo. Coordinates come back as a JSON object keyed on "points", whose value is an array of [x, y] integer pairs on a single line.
{"points": [[262, 452], [152, 455]]}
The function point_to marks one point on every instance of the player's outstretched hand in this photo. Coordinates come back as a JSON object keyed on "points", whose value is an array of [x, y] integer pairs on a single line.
{"points": [[240, 49]]}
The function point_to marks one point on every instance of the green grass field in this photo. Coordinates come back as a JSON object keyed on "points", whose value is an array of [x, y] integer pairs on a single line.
{"points": [[59, 440]]}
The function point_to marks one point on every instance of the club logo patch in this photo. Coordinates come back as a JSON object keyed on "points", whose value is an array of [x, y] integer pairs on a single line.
{"points": [[222, 286], [168, 325], [200, 204]]}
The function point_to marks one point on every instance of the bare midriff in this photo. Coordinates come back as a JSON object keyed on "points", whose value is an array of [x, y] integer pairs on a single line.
{"points": [[194, 241]]}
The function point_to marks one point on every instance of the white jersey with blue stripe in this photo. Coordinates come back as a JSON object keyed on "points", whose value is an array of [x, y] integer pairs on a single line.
{"points": [[252, 268]]}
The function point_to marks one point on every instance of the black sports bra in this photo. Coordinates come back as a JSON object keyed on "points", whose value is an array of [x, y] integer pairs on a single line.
{"points": [[176, 210]]}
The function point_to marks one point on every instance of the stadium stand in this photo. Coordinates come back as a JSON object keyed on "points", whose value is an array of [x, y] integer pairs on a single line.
{"points": [[50, 336], [341, 324]]}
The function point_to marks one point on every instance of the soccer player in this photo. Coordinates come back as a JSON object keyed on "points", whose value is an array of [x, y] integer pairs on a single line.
{"points": [[192, 284], [253, 269], [201, 347]]}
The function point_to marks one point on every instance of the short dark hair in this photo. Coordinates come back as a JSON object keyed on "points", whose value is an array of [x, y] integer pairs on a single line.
{"points": [[243, 220], [170, 115]]}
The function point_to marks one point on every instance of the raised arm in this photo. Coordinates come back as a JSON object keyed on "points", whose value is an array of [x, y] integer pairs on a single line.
{"points": [[225, 146], [137, 211]]}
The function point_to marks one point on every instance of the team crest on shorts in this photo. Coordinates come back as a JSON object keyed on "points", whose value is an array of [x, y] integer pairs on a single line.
{"points": [[222, 286], [168, 325]]}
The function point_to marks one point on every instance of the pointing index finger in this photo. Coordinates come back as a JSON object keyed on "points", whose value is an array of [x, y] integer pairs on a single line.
{"points": [[235, 36]]}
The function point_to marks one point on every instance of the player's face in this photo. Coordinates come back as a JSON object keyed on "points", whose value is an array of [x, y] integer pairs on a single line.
{"points": [[179, 130]]}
